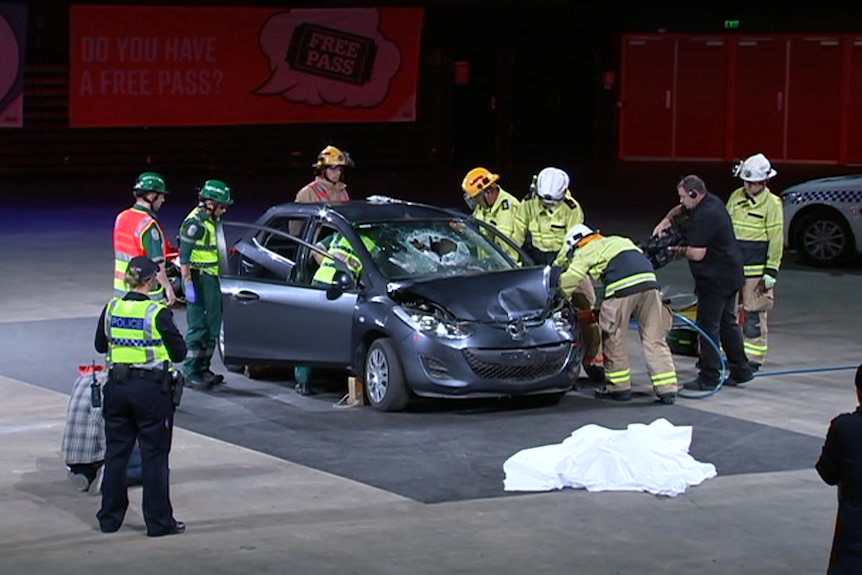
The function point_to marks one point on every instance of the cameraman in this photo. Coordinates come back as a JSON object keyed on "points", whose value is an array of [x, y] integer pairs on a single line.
{"points": [[715, 261]]}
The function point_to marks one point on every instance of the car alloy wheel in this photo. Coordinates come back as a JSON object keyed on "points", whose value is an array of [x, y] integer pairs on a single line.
{"points": [[384, 377], [823, 239]]}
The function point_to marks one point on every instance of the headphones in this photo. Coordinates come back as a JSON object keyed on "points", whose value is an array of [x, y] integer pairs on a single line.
{"points": [[691, 194]]}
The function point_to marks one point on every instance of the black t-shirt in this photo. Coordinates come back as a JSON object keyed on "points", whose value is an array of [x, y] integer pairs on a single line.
{"points": [[709, 226]]}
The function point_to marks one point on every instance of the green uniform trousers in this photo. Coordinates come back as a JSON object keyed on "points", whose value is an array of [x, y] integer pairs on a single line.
{"points": [[204, 322]]}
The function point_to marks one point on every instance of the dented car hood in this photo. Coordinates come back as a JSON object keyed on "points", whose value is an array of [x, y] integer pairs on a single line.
{"points": [[501, 296]]}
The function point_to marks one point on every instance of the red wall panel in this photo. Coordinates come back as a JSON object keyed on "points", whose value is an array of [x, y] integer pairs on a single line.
{"points": [[760, 97], [854, 112], [814, 99], [701, 98], [646, 119]]}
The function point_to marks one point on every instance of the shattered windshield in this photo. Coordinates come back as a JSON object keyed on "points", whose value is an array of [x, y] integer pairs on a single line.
{"points": [[424, 249]]}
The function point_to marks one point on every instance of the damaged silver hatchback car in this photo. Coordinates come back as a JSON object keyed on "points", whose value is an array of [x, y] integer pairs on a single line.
{"points": [[410, 298]]}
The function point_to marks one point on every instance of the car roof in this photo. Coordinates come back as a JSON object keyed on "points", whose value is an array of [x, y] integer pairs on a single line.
{"points": [[369, 210]]}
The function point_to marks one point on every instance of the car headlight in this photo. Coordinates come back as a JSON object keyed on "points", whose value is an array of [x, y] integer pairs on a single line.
{"points": [[563, 322], [430, 325]]}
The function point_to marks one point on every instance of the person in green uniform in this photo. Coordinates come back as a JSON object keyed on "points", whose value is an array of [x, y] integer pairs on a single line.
{"points": [[200, 272]]}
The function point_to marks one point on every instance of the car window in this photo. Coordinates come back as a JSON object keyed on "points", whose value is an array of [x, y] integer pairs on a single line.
{"points": [[268, 255], [314, 269], [411, 249]]}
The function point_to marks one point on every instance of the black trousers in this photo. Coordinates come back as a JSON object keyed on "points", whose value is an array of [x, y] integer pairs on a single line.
{"points": [[135, 409], [716, 316]]}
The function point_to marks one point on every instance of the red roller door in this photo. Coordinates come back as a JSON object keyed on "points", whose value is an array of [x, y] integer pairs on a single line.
{"points": [[760, 96], [814, 99], [646, 120], [701, 101], [854, 116]]}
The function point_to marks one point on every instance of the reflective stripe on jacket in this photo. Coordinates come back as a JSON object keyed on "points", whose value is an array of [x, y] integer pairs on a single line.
{"points": [[129, 229], [204, 255], [133, 336], [616, 262], [502, 216], [758, 223], [341, 249], [542, 229]]}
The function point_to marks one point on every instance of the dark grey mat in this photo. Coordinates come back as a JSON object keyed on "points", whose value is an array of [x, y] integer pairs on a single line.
{"points": [[439, 451]]}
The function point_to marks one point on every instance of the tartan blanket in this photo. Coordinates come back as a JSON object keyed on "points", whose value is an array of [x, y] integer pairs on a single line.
{"points": [[84, 434]]}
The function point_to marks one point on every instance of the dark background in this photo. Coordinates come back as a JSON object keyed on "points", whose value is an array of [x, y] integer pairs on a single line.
{"points": [[535, 98]]}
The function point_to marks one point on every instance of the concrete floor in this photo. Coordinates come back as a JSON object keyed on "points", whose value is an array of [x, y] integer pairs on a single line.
{"points": [[251, 512]]}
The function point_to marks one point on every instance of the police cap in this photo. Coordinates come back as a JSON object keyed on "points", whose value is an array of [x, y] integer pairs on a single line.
{"points": [[144, 267]]}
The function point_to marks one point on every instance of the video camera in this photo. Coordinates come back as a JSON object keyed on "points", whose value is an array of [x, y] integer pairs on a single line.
{"points": [[659, 250]]}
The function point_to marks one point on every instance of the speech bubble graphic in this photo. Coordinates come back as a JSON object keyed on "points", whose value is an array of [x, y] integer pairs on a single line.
{"points": [[10, 61], [321, 57]]}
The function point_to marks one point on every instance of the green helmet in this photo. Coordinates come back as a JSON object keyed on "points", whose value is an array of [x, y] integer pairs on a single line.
{"points": [[150, 182], [218, 191]]}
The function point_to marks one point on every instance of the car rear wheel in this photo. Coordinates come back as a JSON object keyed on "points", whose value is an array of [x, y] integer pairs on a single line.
{"points": [[823, 239], [384, 377]]}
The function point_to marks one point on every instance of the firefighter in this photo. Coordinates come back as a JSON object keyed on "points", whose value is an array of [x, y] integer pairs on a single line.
{"points": [[541, 224], [491, 204], [137, 232], [141, 340], [758, 223], [631, 290], [200, 273], [328, 184]]}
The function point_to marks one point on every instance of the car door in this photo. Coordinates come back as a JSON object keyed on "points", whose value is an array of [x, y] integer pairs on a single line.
{"points": [[278, 316]]}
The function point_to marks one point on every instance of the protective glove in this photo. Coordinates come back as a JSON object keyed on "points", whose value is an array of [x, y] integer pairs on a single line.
{"points": [[769, 282], [189, 288]]}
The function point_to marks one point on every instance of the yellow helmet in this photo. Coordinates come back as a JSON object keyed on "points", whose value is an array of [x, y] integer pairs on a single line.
{"points": [[477, 181], [330, 156]]}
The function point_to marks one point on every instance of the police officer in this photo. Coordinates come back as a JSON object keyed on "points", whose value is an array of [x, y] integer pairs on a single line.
{"points": [[491, 204], [200, 272], [541, 225], [328, 184], [715, 262], [631, 289], [137, 232], [140, 339], [758, 222]]}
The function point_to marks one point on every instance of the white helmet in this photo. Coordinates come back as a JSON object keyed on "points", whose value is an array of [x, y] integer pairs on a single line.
{"points": [[576, 234], [552, 185], [755, 169]]}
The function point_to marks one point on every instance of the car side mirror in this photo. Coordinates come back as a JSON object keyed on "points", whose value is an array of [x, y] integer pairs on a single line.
{"points": [[341, 282]]}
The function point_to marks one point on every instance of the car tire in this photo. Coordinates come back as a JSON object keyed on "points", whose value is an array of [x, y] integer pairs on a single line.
{"points": [[385, 386], [823, 239], [231, 367]]}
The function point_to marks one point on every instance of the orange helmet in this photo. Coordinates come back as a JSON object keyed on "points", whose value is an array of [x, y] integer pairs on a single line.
{"points": [[330, 157], [477, 181]]}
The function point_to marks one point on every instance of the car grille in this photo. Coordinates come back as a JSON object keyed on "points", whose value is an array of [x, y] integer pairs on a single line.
{"points": [[525, 364]]}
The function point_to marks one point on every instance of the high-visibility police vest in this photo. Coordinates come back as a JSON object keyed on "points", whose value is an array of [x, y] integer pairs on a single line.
{"points": [[133, 336], [129, 229], [342, 250], [204, 254]]}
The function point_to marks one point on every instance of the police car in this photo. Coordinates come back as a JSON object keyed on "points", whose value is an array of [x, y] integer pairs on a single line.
{"points": [[822, 220]]}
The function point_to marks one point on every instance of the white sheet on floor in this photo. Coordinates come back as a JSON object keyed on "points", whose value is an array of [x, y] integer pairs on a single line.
{"points": [[652, 458]]}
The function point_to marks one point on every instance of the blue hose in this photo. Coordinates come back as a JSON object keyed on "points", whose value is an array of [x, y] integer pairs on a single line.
{"points": [[724, 371]]}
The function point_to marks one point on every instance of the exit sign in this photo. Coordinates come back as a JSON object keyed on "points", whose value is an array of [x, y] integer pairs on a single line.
{"points": [[731, 24]]}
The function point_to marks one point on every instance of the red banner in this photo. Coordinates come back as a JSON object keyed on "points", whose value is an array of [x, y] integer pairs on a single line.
{"points": [[168, 66], [13, 31]]}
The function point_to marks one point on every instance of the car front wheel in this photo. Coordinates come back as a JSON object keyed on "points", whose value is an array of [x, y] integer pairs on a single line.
{"points": [[823, 239], [384, 377]]}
